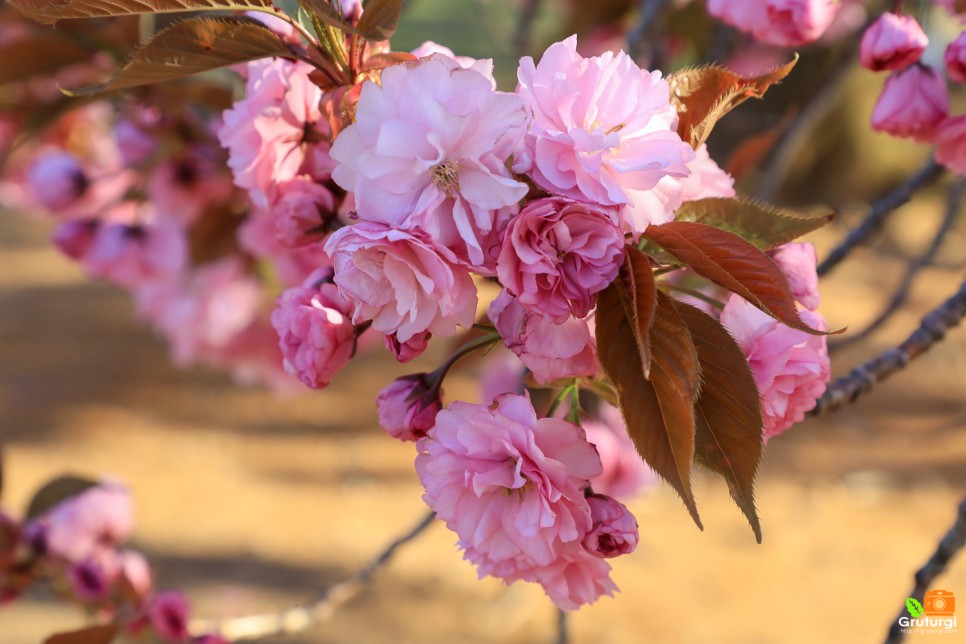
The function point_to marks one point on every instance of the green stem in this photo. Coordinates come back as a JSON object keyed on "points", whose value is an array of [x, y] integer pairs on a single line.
{"points": [[468, 348]]}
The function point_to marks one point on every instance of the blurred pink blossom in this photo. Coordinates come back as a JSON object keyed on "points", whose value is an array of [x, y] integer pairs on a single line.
{"points": [[169, 612], [912, 104], [614, 530], [951, 144], [407, 408], [624, 473], [786, 23], [956, 58], [798, 262], [894, 41], [101, 516]]}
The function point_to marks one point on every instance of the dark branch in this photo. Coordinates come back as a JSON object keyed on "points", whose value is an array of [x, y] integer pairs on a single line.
{"points": [[953, 542], [878, 213], [901, 294], [563, 627], [521, 37], [863, 378], [647, 13]]}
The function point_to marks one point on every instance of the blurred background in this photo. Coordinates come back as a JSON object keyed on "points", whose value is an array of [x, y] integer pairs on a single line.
{"points": [[253, 502]]}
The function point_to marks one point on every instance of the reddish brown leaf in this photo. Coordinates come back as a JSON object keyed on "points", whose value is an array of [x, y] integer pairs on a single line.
{"points": [[50, 11], [760, 224], [702, 95], [58, 490], [728, 429], [638, 294], [379, 20], [732, 263], [91, 635], [659, 412], [41, 53]]}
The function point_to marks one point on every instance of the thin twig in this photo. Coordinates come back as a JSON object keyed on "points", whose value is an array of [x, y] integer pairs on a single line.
{"points": [[863, 378], [521, 37], [878, 213], [647, 12], [953, 204], [563, 627], [953, 542], [298, 619]]}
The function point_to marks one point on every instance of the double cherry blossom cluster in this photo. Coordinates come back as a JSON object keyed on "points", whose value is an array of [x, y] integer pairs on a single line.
{"points": [[77, 547]]}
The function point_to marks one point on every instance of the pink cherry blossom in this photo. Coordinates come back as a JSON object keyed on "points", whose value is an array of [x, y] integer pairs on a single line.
{"points": [[615, 529], [410, 349], [136, 571], [407, 408], [786, 23], [791, 368], [303, 210], [181, 188], [74, 529], [706, 180], [624, 473], [551, 351], [912, 104], [401, 280], [428, 48], [429, 150], [277, 131], [956, 58], [894, 41], [57, 180], [92, 578], [951, 144], [798, 262], [315, 332], [574, 579], [602, 127], [74, 237], [169, 612], [512, 488], [558, 254], [501, 373], [258, 235]]}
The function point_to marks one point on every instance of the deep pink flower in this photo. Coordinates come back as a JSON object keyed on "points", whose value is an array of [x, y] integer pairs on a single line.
{"points": [[134, 143], [951, 144], [74, 237], [512, 488], [956, 58], [91, 579], [401, 281], [315, 332], [169, 612], [791, 368], [429, 149], [615, 528], [912, 103], [407, 408], [624, 473], [558, 254], [786, 23], [258, 235], [574, 579], [102, 516], [302, 209], [410, 349], [894, 41], [602, 127], [798, 262], [551, 351], [277, 131]]}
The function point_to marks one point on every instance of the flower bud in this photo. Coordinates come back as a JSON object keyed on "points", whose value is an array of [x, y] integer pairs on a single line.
{"points": [[614, 530], [956, 59], [912, 104], [411, 348], [407, 408], [74, 236], [893, 41], [951, 144], [169, 612]]}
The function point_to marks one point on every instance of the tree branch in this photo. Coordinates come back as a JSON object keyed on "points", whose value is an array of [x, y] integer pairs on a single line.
{"points": [[953, 542], [298, 619], [521, 36], [863, 378], [648, 11], [878, 213], [563, 627], [953, 204]]}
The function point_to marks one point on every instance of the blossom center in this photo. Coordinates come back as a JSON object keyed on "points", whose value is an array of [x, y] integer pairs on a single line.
{"points": [[446, 176]]}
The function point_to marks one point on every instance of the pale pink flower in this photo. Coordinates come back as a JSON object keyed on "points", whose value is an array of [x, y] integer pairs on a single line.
{"points": [[429, 150], [169, 612], [181, 188], [407, 408], [303, 210], [512, 488], [501, 373], [136, 571], [285, 30], [798, 262], [57, 180], [551, 351], [410, 349], [574, 579], [76, 528], [201, 312], [951, 144], [956, 58], [791, 367], [258, 235], [624, 473], [315, 332], [894, 41], [912, 104], [615, 529], [558, 254], [602, 127], [428, 48], [401, 281], [277, 131], [706, 179], [786, 23]]}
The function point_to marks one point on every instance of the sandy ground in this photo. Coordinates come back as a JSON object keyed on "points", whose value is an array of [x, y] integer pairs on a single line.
{"points": [[253, 503]]}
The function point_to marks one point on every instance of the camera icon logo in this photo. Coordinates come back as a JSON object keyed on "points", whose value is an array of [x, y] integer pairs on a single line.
{"points": [[939, 603]]}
